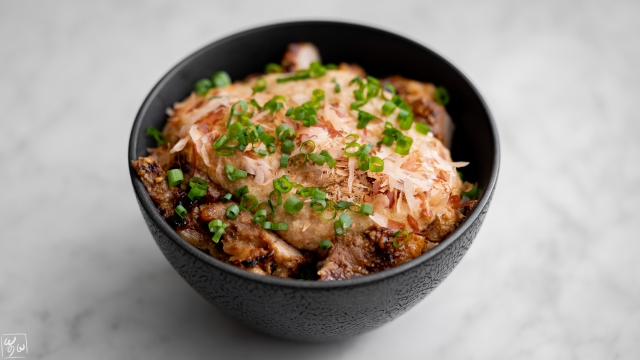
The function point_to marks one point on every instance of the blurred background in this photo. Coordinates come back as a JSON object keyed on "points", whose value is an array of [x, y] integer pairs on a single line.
{"points": [[553, 274]]}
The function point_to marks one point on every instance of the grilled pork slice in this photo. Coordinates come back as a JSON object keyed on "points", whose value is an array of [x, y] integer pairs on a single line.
{"points": [[251, 247], [155, 181], [421, 97], [370, 252], [299, 56]]}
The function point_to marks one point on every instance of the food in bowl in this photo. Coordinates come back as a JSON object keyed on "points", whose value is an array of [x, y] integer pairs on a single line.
{"points": [[309, 171]]}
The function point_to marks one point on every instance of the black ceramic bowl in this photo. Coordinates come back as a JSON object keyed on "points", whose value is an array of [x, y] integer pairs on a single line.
{"points": [[309, 310]]}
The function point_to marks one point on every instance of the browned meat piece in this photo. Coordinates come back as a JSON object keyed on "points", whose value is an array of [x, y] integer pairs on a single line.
{"points": [[250, 246], [425, 108], [353, 256], [155, 181], [443, 226], [299, 56], [353, 67]]}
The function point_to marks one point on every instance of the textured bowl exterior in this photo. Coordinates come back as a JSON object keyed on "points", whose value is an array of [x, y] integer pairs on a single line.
{"points": [[310, 310]]}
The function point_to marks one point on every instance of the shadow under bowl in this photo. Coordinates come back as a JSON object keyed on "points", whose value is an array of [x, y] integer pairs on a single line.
{"points": [[309, 310]]}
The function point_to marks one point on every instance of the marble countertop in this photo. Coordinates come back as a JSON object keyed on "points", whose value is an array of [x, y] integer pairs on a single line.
{"points": [[553, 274]]}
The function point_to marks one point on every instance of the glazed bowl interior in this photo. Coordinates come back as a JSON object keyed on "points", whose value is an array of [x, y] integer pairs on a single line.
{"points": [[380, 54]]}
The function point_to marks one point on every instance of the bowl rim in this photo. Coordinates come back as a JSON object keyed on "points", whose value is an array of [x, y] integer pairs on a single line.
{"points": [[148, 205]]}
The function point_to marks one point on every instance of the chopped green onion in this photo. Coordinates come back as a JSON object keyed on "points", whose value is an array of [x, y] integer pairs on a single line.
{"points": [[328, 159], [388, 107], [266, 138], [287, 146], [404, 234], [364, 118], [216, 237], [317, 95], [318, 204], [336, 88], [268, 225], [181, 211], [403, 145], [277, 201], [422, 128], [282, 184], [260, 216], [325, 244], [220, 79], [196, 192], [227, 197], [357, 94], [317, 158], [352, 149], [233, 211], [366, 209], [441, 95], [365, 148], [248, 202], [255, 104], [309, 146], [289, 111], [196, 181], [300, 159], [284, 160], [268, 205], [293, 205], [343, 204], [351, 138], [357, 104], [214, 225], [157, 135], [342, 224], [175, 177], [272, 68], [275, 104], [234, 174], [241, 191], [363, 162], [405, 118], [471, 193], [259, 86], [332, 213], [318, 194], [203, 86], [331, 66], [376, 164], [346, 220]]}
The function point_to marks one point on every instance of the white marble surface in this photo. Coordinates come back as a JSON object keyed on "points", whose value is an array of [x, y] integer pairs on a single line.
{"points": [[554, 273]]}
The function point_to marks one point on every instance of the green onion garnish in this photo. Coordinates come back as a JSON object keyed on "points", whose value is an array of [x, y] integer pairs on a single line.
{"points": [[260, 85], [226, 198], [325, 244], [352, 149], [318, 204], [317, 158], [376, 164], [364, 118], [441, 95], [366, 209], [181, 211], [234, 174], [196, 192], [404, 235], [203, 86], [331, 213], [268, 225], [241, 191], [388, 107], [272, 68], [282, 184], [157, 135], [214, 225], [216, 237], [248, 202], [351, 138], [342, 224], [175, 177], [293, 205], [260, 216], [422, 128], [255, 104], [220, 79], [405, 117], [300, 159], [307, 147], [287, 146], [284, 160], [328, 159], [403, 145], [275, 198], [343, 204], [471, 193], [317, 95], [363, 161], [336, 88], [233, 211]]}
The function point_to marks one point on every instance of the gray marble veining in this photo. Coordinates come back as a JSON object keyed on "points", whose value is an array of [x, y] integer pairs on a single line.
{"points": [[554, 273]]}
